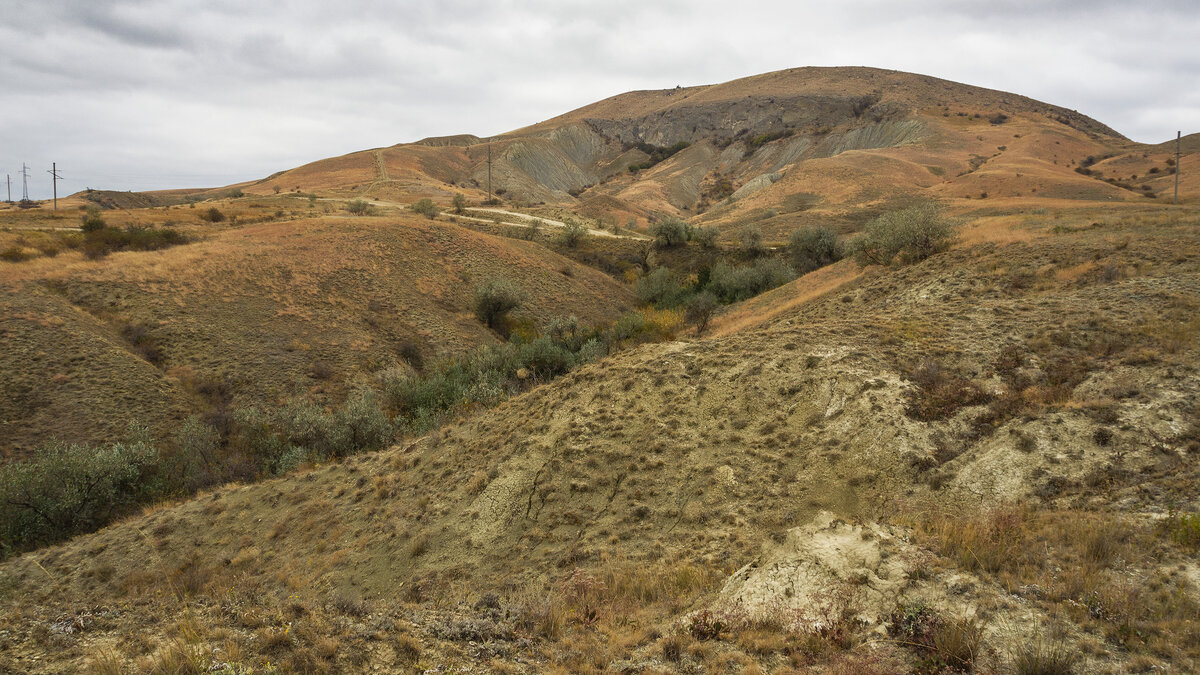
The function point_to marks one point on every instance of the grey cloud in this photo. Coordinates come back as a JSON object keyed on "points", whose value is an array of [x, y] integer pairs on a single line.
{"points": [[216, 91]]}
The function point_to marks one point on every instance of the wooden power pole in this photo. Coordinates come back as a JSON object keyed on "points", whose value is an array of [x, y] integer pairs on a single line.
{"points": [[490, 173], [55, 178]]}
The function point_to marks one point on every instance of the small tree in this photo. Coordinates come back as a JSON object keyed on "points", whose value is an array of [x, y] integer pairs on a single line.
{"points": [[705, 237], [359, 207], [91, 221], [458, 202], [574, 233], [751, 239], [814, 247], [212, 215], [426, 207], [907, 236], [670, 232], [494, 300], [700, 309]]}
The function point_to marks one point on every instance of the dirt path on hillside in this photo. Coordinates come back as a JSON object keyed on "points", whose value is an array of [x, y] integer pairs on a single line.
{"points": [[545, 221]]}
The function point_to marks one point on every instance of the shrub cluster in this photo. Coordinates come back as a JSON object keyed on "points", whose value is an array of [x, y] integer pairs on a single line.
{"points": [[425, 207], [99, 239], [65, 489], [656, 154], [573, 233], [492, 373], [908, 236], [725, 283], [814, 247], [755, 142], [494, 300], [734, 284], [360, 207], [671, 231], [212, 215]]}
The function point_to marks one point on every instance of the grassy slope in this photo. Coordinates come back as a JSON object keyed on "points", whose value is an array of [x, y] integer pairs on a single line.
{"points": [[686, 454], [257, 307]]}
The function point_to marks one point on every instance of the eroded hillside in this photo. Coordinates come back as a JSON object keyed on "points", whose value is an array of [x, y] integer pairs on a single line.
{"points": [[774, 152], [267, 311], [614, 517]]}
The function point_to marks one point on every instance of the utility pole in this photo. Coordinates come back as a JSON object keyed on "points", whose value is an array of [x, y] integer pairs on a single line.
{"points": [[490, 172], [8, 179], [55, 178], [24, 182], [1178, 140]]}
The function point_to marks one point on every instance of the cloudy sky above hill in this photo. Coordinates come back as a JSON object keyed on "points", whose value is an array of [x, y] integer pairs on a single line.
{"points": [[146, 94]]}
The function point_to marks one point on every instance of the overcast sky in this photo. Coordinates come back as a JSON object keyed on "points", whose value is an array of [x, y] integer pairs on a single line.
{"points": [[145, 94]]}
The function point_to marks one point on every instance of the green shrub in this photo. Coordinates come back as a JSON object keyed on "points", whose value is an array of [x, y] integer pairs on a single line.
{"points": [[566, 332], [705, 237], [65, 489], [751, 239], [91, 221], [544, 358], [659, 288], [755, 142], [425, 207], [700, 309], [670, 232], [908, 235], [813, 247], [212, 215], [573, 234], [458, 203], [494, 300], [360, 425], [733, 284], [360, 207], [656, 154]]}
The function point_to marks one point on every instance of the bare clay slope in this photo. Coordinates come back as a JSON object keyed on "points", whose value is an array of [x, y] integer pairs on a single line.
{"points": [[1058, 370]]}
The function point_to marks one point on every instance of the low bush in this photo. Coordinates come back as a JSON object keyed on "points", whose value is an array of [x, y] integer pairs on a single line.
{"points": [[813, 247], [670, 232], [705, 237], [700, 310], [14, 254], [425, 207], [733, 284], [64, 489], [908, 236], [751, 240], [494, 300], [360, 207], [100, 241], [573, 234], [940, 392], [655, 154], [660, 288], [212, 215]]}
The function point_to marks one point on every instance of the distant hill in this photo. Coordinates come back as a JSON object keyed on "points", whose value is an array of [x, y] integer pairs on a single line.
{"points": [[778, 150]]}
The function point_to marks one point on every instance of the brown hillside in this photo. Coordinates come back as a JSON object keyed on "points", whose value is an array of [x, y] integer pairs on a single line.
{"points": [[775, 151], [1059, 371], [258, 307]]}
